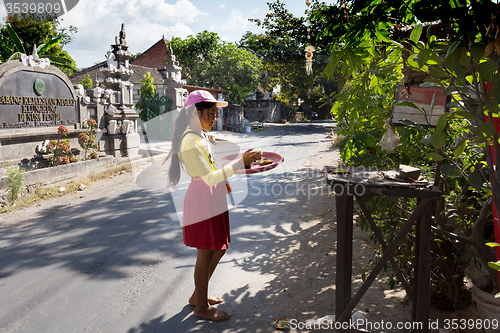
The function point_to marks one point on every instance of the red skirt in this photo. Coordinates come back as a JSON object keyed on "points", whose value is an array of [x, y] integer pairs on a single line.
{"points": [[205, 216]]}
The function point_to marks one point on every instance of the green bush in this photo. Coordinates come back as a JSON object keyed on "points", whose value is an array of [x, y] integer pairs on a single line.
{"points": [[15, 183]]}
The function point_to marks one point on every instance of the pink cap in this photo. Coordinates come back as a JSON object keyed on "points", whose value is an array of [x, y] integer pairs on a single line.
{"points": [[198, 96]]}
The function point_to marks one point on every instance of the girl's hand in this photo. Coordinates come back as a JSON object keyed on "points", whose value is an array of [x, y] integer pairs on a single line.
{"points": [[250, 155]]}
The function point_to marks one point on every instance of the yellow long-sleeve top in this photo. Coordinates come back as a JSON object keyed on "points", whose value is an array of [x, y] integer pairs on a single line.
{"points": [[197, 156]]}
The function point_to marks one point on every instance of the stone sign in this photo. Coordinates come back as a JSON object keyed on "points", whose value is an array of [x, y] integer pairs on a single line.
{"points": [[30, 97]]}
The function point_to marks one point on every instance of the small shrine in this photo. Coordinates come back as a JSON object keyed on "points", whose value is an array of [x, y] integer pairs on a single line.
{"points": [[111, 103]]}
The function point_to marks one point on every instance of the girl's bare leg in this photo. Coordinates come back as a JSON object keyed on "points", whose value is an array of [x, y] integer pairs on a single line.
{"points": [[202, 272], [213, 264]]}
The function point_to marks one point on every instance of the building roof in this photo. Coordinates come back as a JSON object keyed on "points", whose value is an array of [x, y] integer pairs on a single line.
{"points": [[95, 73], [154, 57], [212, 90]]}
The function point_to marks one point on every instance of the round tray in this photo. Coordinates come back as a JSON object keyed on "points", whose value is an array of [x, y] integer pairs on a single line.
{"points": [[254, 168]]}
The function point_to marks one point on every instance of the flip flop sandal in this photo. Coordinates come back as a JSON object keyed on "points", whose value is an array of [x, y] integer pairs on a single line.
{"points": [[282, 324]]}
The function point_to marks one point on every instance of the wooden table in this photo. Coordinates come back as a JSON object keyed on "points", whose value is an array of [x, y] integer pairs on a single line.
{"points": [[360, 183]]}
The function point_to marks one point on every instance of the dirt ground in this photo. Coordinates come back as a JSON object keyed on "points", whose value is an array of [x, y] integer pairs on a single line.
{"points": [[306, 263], [380, 305]]}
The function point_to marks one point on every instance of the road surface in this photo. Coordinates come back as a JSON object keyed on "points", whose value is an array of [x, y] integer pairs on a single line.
{"points": [[111, 258]]}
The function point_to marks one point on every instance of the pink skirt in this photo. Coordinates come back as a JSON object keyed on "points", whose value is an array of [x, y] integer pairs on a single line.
{"points": [[205, 216]]}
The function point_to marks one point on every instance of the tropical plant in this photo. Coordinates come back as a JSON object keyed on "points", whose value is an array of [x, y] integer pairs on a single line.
{"points": [[87, 82], [281, 49], [243, 93], [60, 148], [87, 138], [494, 265], [147, 90], [134, 56], [369, 55], [472, 82], [15, 182], [24, 32], [210, 62]]}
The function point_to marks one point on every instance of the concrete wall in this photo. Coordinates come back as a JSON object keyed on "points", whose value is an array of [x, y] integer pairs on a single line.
{"points": [[23, 128], [263, 110]]}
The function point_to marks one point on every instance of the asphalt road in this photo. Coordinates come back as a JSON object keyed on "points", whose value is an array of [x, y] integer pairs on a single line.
{"points": [[112, 260]]}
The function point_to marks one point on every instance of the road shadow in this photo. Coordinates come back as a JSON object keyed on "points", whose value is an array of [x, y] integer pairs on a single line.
{"points": [[95, 238], [289, 240]]}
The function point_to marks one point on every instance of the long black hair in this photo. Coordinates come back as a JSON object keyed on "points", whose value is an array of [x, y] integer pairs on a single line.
{"points": [[181, 124]]}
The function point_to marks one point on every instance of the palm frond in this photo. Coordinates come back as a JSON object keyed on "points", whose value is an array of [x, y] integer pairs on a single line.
{"points": [[15, 39]]}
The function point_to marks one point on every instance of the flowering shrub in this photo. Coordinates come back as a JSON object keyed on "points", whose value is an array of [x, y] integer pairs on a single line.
{"points": [[60, 148], [62, 131], [51, 145], [87, 138], [58, 160], [90, 123]]}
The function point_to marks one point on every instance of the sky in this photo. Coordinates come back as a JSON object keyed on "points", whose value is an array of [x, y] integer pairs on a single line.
{"points": [[147, 21]]}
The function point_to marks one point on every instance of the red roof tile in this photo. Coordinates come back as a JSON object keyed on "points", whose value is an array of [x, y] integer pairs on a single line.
{"points": [[154, 57]]}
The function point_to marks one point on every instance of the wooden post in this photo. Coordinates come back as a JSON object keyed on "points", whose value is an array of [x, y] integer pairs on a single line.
{"points": [[344, 205]]}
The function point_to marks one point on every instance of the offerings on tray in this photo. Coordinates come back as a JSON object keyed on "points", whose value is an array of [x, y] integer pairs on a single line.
{"points": [[262, 160]]}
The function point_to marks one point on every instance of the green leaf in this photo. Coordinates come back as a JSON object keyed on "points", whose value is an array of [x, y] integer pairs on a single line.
{"points": [[441, 123], [487, 69], [491, 105], [428, 57], [437, 72], [407, 103], [50, 44], [426, 140], [452, 47], [459, 149], [477, 51], [485, 131], [15, 39], [476, 181], [456, 89], [461, 115], [416, 33], [410, 123], [452, 104], [460, 71], [494, 265], [495, 90], [464, 55], [492, 244], [457, 61], [451, 170], [452, 60], [14, 56], [381, 36], [438, 139], [435, 157], [433, 101]]}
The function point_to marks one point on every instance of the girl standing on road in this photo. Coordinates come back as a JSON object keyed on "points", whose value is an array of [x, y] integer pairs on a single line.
{"points": [[205, 212]]}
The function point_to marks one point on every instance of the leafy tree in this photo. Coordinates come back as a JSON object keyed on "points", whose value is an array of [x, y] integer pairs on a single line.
{"points": [[209, 62], [281, 49], [134, 56], [367, 51], [148, 89], [87, 82], [22, 32]]}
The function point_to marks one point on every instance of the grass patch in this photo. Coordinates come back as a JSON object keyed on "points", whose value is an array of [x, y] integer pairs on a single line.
{"points": [[43, 193]]}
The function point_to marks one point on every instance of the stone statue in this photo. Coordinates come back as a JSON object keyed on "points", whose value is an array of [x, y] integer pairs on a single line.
{"points": [[79, 90], [123, 35], [111, 110], [112, 64], [34, 60]]}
